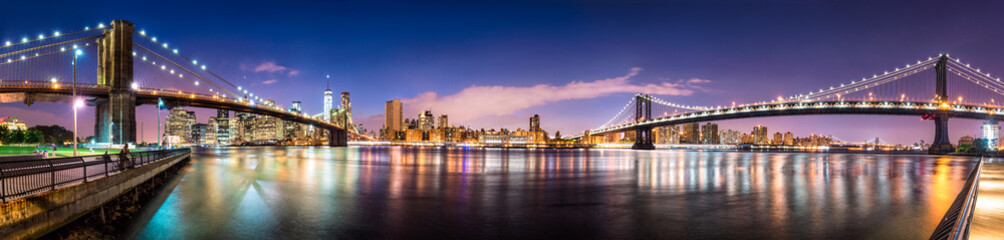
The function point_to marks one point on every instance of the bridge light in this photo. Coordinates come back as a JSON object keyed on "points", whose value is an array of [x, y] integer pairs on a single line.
{"points": [[63, 49], [41, 36], [79, 52], [53, 80], [135, 86], [144, 58], [24, 39], [154, 39], [172, 71], [196, 83], [165, 45], [142, 32], [22, 57], [203, 67], [238, 88], [56, 34], [175, 51], [133, 54], [195, 62], [101, 25], [75, 46]]}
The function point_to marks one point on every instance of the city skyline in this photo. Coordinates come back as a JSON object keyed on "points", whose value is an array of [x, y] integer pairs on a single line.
{"points": [[288, 74]]}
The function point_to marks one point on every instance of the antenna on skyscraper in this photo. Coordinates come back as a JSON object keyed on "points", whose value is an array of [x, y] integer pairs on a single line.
{"points": [[328, 80]]}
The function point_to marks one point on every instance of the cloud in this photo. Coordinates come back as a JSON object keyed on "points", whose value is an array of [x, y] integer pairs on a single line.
{"points": [[479, 102], [270, 81], [272, 67], [269, 67]]}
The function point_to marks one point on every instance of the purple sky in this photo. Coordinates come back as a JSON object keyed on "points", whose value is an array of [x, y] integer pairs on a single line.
{"points": [[575, 63]]}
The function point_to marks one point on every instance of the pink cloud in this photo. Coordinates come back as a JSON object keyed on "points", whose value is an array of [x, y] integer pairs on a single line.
{"points": [[270, 81], [481, 102], [269, 67], [294, 72]]}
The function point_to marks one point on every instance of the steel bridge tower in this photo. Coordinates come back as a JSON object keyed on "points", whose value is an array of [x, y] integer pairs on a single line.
{"points": [[941, 144], [643, 112]]}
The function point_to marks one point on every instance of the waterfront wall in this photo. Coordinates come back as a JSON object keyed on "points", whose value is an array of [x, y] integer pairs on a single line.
{"points": [[34, 216]]}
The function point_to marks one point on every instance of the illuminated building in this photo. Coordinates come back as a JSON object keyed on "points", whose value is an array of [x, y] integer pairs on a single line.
{"points": [[535, 123], [759, 135], [730, 137], [426, 120], [12, 125], [297, 107], [179, 124], [966, 140], [709, 133], [327, 104], [778, 139], [789, 139], [991, 132], [666, 135], [444, 122], [392, 118], [690, 133]]}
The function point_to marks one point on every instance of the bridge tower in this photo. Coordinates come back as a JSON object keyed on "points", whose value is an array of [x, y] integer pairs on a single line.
{"points": [[642, 112], [116, 115], [941, 144]]}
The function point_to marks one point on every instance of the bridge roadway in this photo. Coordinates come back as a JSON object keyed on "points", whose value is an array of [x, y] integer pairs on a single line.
{"points": [[60, 90], [912, 108]]}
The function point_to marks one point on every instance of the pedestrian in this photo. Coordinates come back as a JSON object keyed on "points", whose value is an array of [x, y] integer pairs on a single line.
{"points": [[124, 156]]}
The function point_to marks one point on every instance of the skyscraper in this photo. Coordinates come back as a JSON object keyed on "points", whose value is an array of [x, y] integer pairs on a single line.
{"points": [[759, 135], [179, 123], [222, 113], [691, 133], [426, 120], [297, 107], [327, 102], [444, 122], [709, 133], [392, 115], [535, 123], [991, 132]]}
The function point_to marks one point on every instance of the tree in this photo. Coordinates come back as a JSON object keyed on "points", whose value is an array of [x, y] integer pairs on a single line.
{"points": [[17, 136], [4, 134]]}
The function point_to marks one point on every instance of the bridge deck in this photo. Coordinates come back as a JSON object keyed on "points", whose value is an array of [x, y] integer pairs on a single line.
{"points": [[989, 215]]}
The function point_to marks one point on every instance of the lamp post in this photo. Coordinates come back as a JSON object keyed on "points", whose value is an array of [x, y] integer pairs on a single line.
{"points": [[160, 105], [76, 102]]}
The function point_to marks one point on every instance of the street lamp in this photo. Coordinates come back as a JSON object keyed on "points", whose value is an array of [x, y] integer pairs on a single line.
{"points": [[76, 102], [160, 106]]}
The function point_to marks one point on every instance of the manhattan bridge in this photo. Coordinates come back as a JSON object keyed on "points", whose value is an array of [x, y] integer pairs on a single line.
{"points": [[131, 68], [936, 88]]}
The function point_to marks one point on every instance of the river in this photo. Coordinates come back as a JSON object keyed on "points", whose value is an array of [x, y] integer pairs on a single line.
{"points": [[382, 192]]}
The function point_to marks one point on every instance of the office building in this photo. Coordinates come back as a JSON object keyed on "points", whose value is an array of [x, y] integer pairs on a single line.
{"points": [[426, 121], [535, 123], [393, 115], [444, 122], [759, 135], [179, 124]]}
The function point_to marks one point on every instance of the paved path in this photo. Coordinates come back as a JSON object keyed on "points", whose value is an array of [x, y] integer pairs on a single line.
{"points": [[988, 220]]}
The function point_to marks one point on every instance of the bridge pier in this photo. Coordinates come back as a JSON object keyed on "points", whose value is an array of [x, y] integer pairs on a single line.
{"points": [[941, 144], [337, 137], [116, 115]]}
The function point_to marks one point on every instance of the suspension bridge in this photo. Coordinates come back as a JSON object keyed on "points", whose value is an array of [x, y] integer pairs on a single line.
{"points": [[131, 68], [937, 89]]}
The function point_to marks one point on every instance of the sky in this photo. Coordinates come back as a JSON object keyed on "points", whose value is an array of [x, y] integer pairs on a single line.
{"points": [[493, 64]]}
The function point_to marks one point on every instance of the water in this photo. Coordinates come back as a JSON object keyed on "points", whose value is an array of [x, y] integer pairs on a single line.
{"points": [[394, 192]]}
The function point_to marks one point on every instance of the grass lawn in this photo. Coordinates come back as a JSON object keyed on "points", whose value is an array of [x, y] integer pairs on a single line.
{"points": [[60, 151]]}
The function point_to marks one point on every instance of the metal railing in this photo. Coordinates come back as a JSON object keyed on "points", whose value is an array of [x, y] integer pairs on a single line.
{"points": [[955, 224], [26, 177]]}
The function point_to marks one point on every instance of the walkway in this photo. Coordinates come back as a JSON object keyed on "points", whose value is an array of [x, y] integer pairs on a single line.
{"points": [[989, 216]]}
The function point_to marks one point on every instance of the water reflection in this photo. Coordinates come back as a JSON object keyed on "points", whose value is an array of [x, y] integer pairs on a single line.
{"points": [[395, 192]]}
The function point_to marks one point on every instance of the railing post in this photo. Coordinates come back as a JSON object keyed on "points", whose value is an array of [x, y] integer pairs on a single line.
{"points": [[106, 159], [3, 187], [84, 166], [52, 174]]}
